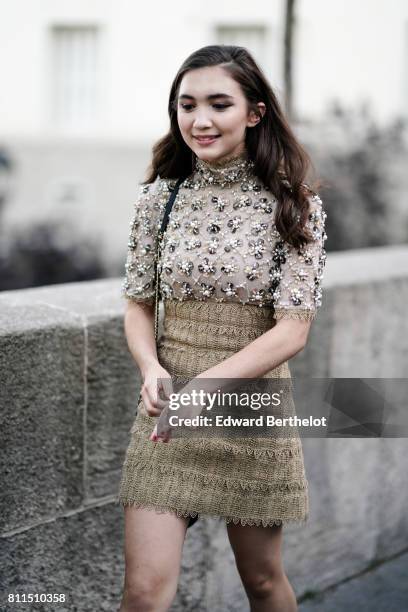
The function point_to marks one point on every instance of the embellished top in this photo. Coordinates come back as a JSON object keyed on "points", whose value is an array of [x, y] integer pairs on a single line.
{"points": [[221, 243]]}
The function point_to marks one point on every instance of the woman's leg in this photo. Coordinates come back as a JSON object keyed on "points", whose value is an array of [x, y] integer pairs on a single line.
{"points": [[153, 550], [257, 553]]}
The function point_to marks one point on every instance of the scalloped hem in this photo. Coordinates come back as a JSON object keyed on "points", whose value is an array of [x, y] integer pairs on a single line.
{"points": [[221, 482], [294, 313], [138, 299], [234, 449], [227, 519]]}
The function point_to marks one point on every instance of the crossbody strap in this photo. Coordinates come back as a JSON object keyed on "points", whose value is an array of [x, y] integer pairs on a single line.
{"points": [[162, 230], [169, 206]]}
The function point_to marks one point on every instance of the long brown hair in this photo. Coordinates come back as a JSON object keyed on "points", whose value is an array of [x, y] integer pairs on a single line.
{"points": [[281, 162]]}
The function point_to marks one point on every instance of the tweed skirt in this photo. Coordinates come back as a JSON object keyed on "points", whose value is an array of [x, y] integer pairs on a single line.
{"points": [[247, 481]]}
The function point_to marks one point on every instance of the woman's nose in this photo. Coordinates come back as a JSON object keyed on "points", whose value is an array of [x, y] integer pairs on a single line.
{"points": [[202, 120]]}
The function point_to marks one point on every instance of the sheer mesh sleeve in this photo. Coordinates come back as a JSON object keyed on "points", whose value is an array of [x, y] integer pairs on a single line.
{"points": [[298, 273], [139, 282]]}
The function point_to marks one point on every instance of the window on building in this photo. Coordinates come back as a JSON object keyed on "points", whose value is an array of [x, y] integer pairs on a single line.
{"points": [[76, 70], [253, 37]]}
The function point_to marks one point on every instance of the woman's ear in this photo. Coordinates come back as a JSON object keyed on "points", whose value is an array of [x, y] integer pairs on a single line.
{"points": [[256, 116]]}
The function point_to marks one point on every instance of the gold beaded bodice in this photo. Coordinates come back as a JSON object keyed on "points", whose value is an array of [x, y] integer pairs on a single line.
{"points": [[221, 243]]}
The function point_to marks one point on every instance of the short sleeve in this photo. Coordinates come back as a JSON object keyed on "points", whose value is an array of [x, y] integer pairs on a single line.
{"points": [[297, 274], [139, 282]]}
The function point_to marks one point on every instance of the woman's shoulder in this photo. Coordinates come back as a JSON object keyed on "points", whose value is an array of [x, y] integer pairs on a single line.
{"points": [[153, 196], [310, 193], [158, 187], [316, 210]]}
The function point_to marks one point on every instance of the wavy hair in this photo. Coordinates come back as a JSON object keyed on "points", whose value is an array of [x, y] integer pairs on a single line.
{"points": [[281, 162]]}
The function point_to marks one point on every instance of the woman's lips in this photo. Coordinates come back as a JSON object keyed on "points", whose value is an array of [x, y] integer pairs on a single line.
{"points": [[206, 140]]}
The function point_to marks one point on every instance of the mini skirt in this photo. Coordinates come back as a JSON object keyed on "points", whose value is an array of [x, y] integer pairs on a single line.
{"points": [[246, 480]]}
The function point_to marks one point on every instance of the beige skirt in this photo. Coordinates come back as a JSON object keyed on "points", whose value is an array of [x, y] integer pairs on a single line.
{"points": [[251, 481]]}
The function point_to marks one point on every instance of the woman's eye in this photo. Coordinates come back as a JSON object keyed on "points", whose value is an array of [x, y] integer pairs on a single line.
{"points": [[189, 107]]}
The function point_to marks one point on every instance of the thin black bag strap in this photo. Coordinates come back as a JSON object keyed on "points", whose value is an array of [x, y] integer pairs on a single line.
{"points": [[169, 205], [163, 227]]}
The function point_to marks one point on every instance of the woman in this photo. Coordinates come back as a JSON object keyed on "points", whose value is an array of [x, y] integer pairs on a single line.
{"points": [[241, 272]]}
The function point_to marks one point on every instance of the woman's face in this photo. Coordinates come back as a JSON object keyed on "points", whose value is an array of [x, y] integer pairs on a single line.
{"points": [[212, 113]]}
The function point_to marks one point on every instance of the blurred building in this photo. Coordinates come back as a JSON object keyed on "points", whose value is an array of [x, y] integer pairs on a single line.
{"points": [[85, 86]]}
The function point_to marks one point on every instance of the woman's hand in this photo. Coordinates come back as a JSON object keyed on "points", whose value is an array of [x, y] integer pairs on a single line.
{"points": [[189, 411], [153, 388]]}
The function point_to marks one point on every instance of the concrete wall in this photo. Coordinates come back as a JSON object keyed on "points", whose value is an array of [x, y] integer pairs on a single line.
{"points": [[68, 390]]}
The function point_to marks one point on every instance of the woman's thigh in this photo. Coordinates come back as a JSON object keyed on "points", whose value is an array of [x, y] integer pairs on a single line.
{"points": [[153, 546], [257, 550]]}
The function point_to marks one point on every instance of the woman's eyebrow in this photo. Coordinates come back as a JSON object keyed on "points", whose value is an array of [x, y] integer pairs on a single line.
{"points": [[210, 97]]}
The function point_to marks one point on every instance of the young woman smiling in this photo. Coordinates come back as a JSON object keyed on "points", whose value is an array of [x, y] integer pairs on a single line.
{"points": [[241, 274]]}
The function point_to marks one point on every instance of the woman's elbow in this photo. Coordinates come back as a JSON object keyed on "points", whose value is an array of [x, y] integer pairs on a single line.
{"points": [[303, 334], [300, 345], [297, 331]]}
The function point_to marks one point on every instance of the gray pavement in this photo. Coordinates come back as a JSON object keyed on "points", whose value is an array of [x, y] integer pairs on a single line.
{"points": [[382, 589]]}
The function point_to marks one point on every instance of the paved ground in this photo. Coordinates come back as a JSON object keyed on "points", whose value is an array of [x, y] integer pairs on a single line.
{"points": [[383, 589]]}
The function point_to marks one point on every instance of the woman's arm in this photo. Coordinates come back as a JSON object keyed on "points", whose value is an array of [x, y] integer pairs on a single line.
{"points": [[287, 338], [139, 291], [139, 331], [297, 296]]}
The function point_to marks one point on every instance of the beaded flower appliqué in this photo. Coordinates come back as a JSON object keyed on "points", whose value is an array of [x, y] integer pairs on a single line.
{"points": [[222, 244]]}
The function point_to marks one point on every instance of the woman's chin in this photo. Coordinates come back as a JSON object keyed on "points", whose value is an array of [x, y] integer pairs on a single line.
{"points": [[211, 155]]}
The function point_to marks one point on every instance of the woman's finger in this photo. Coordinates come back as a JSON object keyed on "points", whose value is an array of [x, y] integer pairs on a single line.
{"points": [[163, 426], [151, 409], [161, 403], [163, 436], [167, 386]]}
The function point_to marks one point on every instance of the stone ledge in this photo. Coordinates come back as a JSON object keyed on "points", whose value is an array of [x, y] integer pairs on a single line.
{"points": [[69, 388], [371, 265]]}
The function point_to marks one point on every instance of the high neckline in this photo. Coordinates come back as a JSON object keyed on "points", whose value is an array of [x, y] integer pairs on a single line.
{"points": [[228, 170]]}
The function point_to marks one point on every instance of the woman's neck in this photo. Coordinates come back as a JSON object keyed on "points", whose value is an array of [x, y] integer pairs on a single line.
{"points": [[225, 160], [226, 170]]}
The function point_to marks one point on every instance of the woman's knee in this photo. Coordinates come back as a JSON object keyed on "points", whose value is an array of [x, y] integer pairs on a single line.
{"points": [[151, 592], [260, 584]]}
